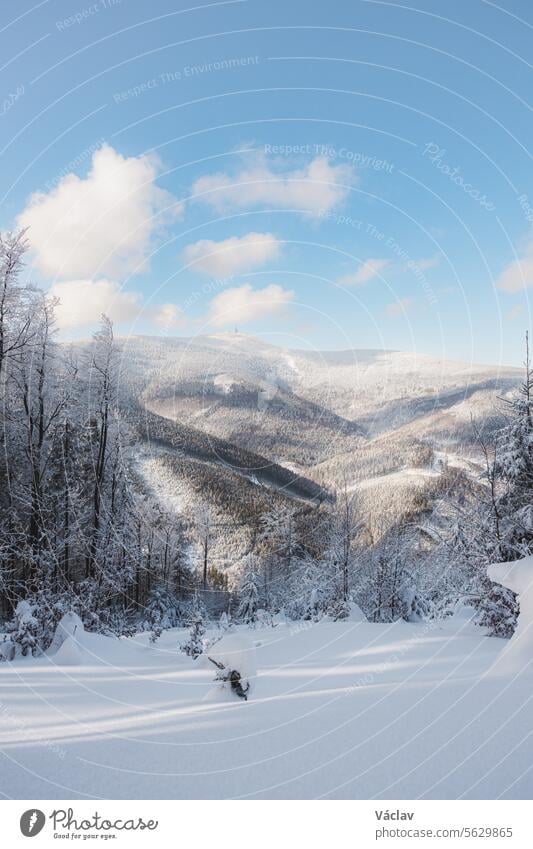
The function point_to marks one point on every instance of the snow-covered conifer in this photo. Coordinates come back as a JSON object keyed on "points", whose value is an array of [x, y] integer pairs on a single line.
{"points": [[195, 645], [24, 630], [249, 600]]}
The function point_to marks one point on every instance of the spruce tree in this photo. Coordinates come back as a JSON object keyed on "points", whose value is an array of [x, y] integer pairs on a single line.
{"points": [[514, 465], [249, 600]]}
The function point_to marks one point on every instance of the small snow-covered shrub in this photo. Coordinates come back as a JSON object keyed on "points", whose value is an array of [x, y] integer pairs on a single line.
{"points": [[194, 646], [415, 608], [161, 613], [296, 609], [225, 623], [117, 623], [7, 648], [24, 630], [265, 619], [339, 610], [498, 611]]}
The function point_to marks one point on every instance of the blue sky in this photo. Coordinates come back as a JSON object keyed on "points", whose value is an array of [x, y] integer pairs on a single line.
{"points": [[350, 174]]}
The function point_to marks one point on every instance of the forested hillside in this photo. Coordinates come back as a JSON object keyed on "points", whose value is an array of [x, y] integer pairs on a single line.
{"points": [[145, 481]]}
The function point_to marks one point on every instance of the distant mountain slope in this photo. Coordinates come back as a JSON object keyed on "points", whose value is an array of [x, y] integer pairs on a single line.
{"points": [[248, 421], [304, 407], [187, 444]]}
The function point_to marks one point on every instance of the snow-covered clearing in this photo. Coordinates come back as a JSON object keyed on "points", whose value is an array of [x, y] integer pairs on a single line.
{"points": [[169, 489], [414, 475], [418, 474], [337, 710]]}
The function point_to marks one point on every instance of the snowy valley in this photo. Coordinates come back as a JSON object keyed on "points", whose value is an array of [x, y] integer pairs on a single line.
{"points": [[234, 570]]}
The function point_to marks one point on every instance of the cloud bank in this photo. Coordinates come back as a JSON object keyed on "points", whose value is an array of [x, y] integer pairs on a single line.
{"points": [[231, 256], [100, 226], [244, 304], [312, 190], [82, 302]]}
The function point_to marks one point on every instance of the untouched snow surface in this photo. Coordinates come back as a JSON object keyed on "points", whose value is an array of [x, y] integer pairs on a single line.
{"points": [[338, 710]]}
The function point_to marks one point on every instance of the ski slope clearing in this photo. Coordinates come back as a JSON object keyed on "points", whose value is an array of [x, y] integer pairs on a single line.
{"points": [[336, 710]]}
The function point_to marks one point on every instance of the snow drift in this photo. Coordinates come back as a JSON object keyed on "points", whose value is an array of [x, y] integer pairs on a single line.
{"points": [[517, 576]]}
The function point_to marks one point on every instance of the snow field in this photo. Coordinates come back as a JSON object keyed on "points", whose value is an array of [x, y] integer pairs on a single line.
{"points": [[337, 710]]}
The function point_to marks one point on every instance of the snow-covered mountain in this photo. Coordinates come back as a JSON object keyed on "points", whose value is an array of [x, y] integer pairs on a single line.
{"points": [[303, 409], [232, 419]]}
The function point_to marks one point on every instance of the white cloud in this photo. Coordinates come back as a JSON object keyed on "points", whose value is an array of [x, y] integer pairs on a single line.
{"points": [[100, 225], [243, 304], [233, 255], [82, 302], [168, 316], [313, 190], [399, 307], [518, 275], [366, 271]]}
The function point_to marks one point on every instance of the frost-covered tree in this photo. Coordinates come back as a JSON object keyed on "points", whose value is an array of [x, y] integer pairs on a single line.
{"points": [[313, 589], [346, 527], [496, 525], [77, 526], [514, 467], [195, 645], [249, 600], [204, 527], [386, 589], [15, 314], [224, 623], [161, 613], [279, 546], [102, 387]]}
